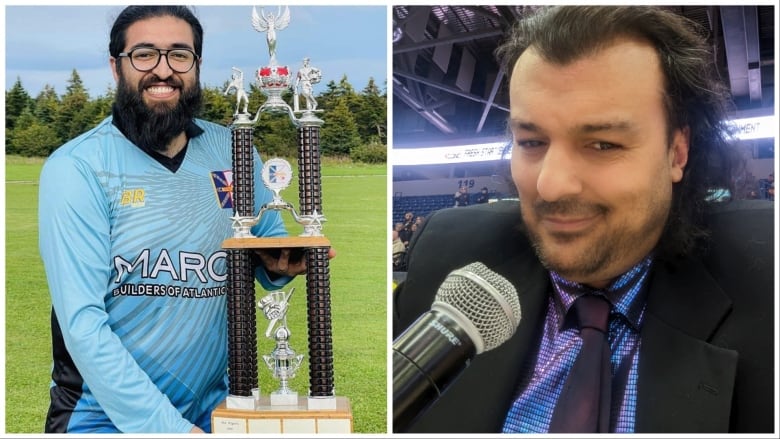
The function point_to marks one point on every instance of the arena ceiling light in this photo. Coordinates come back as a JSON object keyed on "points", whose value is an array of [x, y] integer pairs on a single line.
{"points": [[745, 129]]}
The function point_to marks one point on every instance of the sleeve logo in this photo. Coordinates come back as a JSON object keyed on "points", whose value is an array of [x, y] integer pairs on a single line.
{"points": [[223, 188]]}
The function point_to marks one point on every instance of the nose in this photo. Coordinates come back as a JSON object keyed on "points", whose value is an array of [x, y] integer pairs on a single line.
{"points": [[163, 70], [559, 175]]}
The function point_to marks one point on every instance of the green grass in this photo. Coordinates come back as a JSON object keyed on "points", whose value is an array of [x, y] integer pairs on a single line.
{"points": [[354, 203]]}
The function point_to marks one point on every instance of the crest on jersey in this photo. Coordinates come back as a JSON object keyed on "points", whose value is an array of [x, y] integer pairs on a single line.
{"points": [[223, 188]]}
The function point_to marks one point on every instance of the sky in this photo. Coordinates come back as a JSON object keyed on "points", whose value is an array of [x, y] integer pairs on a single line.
{"points": [[44, 44]]}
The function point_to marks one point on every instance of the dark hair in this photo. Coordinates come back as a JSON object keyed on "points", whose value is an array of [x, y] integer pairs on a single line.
{"points": [[695, 96], [131, 14]]}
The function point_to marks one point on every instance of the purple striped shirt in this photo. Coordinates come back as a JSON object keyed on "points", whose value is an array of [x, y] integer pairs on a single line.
{"points": [[542, 382]]}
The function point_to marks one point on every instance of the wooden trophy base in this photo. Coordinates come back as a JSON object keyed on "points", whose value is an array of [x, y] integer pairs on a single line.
{"points": [[270, 419], [277, 242], [293, 418]]}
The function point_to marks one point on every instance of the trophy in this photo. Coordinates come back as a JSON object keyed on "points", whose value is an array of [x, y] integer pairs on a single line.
{"points": [[246, 409], [283, 361]]}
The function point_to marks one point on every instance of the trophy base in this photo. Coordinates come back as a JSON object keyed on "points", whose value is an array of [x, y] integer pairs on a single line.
{"points": [[284, 399], [242, 402], [278, 242], [270, 419]]}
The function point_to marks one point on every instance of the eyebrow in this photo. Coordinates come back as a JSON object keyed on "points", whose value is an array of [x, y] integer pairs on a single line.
{"points": [[523, 125], [173, 46], [587, 128], [620, 125]]}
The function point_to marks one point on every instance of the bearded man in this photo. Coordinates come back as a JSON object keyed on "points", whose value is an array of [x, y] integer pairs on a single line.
{"points": [[132, 218]]}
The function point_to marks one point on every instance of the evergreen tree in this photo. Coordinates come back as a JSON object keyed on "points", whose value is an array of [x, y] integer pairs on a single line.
{"points": [[352, 120], [73, 117], [276, 136], [47, 104], [274, 133], [371, 115], [335, 92], [22, 122], [26, 119], [100, 108], [339, 135], [217, 107], [256, 98], [16, 101], [36, 139]]}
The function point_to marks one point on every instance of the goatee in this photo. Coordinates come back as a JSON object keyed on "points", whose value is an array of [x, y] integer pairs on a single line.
{"points": [[154, 127]]}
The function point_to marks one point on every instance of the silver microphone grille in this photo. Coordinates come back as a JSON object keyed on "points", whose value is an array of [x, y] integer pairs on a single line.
{"points": [[486, 299]]}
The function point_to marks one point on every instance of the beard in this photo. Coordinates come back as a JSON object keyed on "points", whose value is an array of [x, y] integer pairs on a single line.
{"points": [[154, 127], [607, 255]]}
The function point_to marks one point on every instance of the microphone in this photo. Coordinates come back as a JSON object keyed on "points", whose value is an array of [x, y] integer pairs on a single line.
{"points": [[475, 310]]}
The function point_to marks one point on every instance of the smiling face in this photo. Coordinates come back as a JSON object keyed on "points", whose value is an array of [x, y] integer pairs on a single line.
{"points": [[154, 108], [161, 88], [592, 159]]}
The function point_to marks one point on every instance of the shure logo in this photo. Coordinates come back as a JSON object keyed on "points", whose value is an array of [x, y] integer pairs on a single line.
{"points": [[446, 332]]}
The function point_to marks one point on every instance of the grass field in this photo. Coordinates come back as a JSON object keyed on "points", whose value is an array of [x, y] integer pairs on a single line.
{"points": [[354, 203]]}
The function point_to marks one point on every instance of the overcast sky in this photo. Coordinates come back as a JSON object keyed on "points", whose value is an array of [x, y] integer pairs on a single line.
{"points": [[44, 44]]}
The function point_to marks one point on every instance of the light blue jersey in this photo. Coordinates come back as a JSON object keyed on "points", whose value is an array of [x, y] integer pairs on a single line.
{"points": [[137, 277]]}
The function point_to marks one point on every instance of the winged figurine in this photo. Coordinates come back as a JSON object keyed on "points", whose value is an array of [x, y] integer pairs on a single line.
{"points": [[270, 23]]}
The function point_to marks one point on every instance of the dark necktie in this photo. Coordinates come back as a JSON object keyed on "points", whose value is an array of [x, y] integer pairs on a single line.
{"points": [[584, 404]]}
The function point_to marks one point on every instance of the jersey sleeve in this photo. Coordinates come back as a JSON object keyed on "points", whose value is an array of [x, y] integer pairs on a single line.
{"points": [[74, 242]]}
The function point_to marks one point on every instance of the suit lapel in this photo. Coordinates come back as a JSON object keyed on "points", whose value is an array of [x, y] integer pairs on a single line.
{"points": [[685, 383]]}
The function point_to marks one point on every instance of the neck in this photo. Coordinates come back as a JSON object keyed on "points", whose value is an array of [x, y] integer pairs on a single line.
{"points": [[175, 145]]}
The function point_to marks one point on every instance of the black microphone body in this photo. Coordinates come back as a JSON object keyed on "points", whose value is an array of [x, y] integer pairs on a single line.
{"points": [[475, 310], [427, 357]]}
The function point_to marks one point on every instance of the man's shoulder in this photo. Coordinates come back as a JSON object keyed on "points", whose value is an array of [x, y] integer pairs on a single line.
{"points": [[741, 216], [82, 158], [88, 150], [473, 229], [742, 232], [740, 207], [500, 212], [212, 138], [86, 143]]}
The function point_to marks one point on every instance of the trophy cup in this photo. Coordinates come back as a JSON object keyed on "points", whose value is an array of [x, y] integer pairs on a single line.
{"points": [[283, 360], [246, 410]]}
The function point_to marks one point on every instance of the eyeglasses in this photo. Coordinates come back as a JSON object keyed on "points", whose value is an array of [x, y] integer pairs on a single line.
{"points": [[145, 59]]}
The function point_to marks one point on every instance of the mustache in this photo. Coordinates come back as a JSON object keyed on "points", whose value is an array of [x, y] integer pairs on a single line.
{"points": [[153, 79], [567, 207]]}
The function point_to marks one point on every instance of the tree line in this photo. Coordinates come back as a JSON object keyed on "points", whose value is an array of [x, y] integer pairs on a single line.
{"points": [[355, 122]]}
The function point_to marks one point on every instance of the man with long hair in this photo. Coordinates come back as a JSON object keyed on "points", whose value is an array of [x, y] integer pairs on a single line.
{"points": [[619, 137]]}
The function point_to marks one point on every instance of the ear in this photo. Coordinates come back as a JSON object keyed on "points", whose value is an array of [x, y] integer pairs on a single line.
{"points": [[678, 153], [114, 66]]}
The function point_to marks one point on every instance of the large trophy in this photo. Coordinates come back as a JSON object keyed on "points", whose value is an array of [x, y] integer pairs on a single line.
{"points": [[247, 409]]}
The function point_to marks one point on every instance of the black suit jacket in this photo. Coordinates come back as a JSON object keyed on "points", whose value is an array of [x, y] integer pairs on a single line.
{"points": [[706, 361]]}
